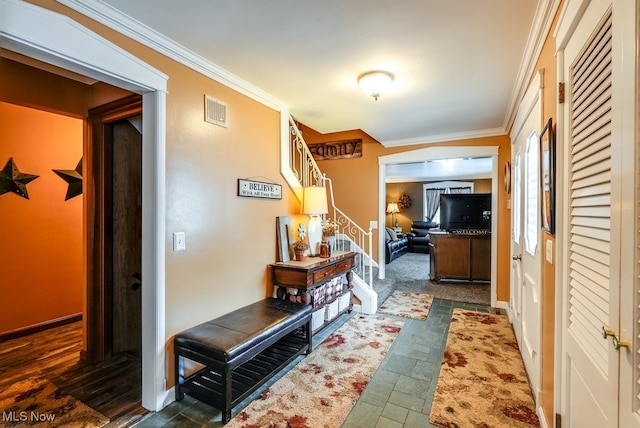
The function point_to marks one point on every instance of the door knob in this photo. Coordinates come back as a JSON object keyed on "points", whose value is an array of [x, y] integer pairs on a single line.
{"points": [[606, 332], [617, 343], [137, 283], [517, 257]]}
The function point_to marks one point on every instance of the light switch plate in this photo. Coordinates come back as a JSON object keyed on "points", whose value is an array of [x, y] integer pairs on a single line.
{"points": [[549, 251], [373, 224], [179, 241]]}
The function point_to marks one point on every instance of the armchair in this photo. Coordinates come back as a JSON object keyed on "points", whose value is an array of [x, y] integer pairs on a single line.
{"points": [[419, 236]]}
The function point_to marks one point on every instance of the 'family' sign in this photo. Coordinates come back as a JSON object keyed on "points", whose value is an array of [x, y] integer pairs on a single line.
{"points": [[337, 149]]}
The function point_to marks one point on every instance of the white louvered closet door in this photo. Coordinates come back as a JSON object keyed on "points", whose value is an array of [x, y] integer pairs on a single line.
{"points": [[592, 241], [598, 217]]}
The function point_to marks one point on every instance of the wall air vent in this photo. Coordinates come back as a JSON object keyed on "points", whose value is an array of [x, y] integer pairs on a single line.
{"points": [[215, 111]]}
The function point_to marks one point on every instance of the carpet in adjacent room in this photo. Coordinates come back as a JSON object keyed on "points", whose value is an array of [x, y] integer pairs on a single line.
{"points": [[321, 390], [482, 379], [410, 272]]}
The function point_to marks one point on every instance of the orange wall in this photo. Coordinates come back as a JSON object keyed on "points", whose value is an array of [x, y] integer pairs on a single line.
{"points": [[41, 273], [547, 62], [230, 240], [47, 95], [414, 189], [355, 183]]}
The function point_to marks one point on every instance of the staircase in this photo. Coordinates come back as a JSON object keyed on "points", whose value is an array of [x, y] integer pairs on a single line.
{"points": [[301, 170]]}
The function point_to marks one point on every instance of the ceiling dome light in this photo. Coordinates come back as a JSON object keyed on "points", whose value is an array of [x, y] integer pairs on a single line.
{"points": [[375, 83]]}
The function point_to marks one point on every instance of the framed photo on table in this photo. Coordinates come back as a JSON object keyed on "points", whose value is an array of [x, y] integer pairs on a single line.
{"points": [[284, 238], [548, 177]]}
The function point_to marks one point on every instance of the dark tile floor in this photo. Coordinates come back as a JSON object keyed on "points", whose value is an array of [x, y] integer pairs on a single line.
{"points": [[398, 395]]}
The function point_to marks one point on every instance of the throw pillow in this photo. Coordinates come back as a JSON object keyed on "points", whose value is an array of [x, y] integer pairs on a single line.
{"points": [[392, 234]]}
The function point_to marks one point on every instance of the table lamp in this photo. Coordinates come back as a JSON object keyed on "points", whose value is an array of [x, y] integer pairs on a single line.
{"points": [[314, 204], [392, 208]]}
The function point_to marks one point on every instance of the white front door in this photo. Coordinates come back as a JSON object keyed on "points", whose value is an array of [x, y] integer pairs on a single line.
{"points": [[531, 265], [599, 382], [515, 299], [525, 305]]}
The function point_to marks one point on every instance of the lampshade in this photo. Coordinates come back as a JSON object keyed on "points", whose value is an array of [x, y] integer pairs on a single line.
{"points": [[392, 208], [375, 83], [314, 200]]}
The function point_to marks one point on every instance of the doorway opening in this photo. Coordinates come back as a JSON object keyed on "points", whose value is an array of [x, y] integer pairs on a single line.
{"points": [[97, 58], [53, 349], [442, 153]]}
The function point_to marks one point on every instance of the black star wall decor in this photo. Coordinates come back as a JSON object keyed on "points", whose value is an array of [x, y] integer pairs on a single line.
{"points": [[74, 178], [12, 180]]}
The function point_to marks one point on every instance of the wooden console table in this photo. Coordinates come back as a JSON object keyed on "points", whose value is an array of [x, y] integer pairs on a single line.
{"points": [[460, 257], [323, 283]]}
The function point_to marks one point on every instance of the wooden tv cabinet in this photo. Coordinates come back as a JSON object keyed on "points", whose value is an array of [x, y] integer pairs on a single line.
{"points": [[465, 257]]}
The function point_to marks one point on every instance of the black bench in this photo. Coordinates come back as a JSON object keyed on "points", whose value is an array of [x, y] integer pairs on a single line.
{"points": [[241, 351]]}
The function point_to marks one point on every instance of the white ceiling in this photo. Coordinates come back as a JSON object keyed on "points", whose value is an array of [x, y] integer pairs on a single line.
{"points": [[458, 64]]}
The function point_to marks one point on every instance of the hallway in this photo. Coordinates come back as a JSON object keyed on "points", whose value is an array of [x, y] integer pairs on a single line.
{"points": [[398, 395]]}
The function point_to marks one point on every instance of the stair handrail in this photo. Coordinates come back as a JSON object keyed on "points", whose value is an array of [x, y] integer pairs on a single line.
{"points": [[305, 168]]}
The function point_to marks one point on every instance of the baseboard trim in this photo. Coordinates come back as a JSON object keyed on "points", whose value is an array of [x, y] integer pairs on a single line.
{"points": [[500, 304], [25, 331]]}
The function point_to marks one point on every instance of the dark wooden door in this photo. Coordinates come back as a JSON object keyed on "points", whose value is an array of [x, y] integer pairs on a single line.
{"points": [[127, 238], [113, 161]]}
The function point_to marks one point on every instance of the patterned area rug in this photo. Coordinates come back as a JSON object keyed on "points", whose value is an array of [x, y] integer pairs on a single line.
{"points": [[407, 304], [36, 402], [321, 390], [482, 380]]}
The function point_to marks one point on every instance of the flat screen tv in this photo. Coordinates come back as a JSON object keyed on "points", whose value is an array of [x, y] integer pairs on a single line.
{"points": [[463, 211]]}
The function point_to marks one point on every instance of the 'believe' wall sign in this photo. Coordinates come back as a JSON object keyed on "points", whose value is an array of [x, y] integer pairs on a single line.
{"points": [[259, 189]]}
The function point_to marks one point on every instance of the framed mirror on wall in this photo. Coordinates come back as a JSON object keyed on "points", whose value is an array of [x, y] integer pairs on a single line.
{"points": [[547, 176]]}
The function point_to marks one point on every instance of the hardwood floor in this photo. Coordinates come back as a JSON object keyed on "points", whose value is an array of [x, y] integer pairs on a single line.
{"points": [[112, 387]]}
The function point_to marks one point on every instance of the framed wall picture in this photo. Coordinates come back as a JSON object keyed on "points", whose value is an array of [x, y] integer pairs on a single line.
{"points": [[507, 177], [548, 177]]}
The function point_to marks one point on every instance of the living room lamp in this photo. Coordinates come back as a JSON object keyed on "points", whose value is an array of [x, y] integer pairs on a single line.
{"points": [[314, 204], [392, 208]]}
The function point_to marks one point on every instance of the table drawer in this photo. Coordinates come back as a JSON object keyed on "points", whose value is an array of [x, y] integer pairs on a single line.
{"points": [[344, 265], [324, 273]]}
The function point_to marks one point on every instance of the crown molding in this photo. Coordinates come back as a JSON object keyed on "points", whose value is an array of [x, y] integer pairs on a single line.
{"points": [[543, 20], [112, 18]]}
